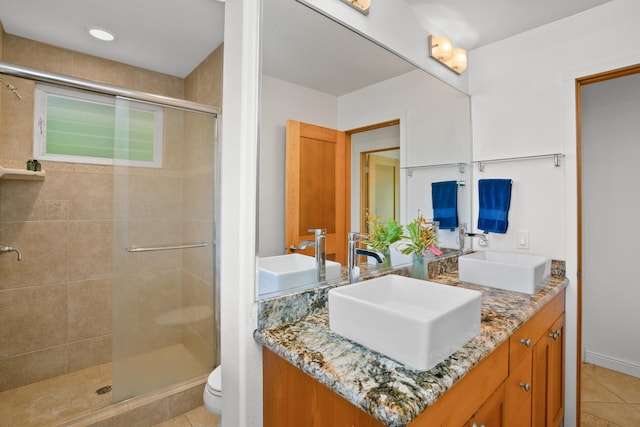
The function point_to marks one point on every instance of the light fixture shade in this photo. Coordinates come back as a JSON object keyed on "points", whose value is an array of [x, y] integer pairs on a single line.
{"points": [[440, 48], [360, 5], [458, 60]]}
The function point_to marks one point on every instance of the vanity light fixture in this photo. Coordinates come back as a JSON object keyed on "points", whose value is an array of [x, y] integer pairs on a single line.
{"points": [[361, 6], [441, 49], [101, 34]]}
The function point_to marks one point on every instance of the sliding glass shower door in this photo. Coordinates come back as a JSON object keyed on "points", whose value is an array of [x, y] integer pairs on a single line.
{"points": [[163, 247]]}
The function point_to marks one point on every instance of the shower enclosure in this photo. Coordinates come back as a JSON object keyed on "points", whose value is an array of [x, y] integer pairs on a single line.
{"points": [[160, 246], [163, 256]]}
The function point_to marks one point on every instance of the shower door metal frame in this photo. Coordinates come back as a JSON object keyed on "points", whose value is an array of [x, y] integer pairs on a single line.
{"points": [[77, 83]]}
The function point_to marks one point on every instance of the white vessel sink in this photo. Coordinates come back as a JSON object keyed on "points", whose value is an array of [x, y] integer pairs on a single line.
{"points": [[503, 270], [415, 322], [282, 272]]}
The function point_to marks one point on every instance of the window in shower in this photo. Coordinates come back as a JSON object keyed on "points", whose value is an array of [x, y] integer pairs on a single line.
{"points": [[80, 127]]}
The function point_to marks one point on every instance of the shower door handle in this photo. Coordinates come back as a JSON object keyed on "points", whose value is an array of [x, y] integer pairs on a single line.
{"points": [[167, 248]]}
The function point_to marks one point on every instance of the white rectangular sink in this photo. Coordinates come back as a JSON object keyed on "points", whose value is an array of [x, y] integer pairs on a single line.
{"points": [[503, 270], [283, 272], [416, 322]]}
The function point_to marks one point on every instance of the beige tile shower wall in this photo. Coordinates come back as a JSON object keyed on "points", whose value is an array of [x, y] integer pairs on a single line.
{"points": [[1, 59], [203, 85], [55, 305]]}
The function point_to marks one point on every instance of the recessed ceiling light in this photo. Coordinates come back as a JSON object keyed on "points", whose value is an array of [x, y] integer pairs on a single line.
{"points": [[101, 34]]}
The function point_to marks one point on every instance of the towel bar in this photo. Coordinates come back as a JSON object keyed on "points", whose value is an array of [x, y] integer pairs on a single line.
{"points": [[556, 160], [167, 248]]}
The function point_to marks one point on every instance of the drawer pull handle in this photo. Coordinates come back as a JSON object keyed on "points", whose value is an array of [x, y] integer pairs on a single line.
{"points": [[555, 334], [526, 342], [525, 386]]}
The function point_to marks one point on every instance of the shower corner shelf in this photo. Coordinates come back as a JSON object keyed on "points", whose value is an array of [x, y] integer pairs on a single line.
{"points": [[22, 174]]}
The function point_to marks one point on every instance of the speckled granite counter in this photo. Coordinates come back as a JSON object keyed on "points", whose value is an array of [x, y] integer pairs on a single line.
{"points": [[382, 387]]}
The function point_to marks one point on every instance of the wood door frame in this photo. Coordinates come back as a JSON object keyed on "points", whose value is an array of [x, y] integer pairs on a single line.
{"points": [[364, 187], [583, 81], [348, 134]]}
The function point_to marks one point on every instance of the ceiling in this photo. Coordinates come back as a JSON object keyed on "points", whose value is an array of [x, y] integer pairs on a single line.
{"points": [[169, 36], [475, 23], [174, 36]]}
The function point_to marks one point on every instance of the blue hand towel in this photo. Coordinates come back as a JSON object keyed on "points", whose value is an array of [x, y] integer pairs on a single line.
{"points": [[444, 198], [495, 199]]}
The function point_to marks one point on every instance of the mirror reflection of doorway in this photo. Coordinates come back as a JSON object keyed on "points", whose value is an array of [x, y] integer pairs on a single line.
{"points": [[380, 172], [375, 177]]}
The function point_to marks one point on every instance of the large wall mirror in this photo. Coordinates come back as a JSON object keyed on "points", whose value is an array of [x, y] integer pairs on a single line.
{"points": [[319, 73]]}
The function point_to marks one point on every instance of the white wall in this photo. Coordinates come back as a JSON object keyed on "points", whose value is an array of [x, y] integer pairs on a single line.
{"points": [[241, 355], [523, 103], [610, 198], [282, 101]]}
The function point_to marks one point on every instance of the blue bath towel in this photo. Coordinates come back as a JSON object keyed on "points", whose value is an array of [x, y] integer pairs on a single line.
{"points": [[444, 197], [494, 201]]}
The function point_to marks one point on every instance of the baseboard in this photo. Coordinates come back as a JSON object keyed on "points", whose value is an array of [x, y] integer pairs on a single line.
{"points": [[611, 363]]}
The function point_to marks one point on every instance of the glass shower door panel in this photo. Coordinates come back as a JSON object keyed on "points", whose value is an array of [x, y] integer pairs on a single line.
{"points": [[163, 257]]}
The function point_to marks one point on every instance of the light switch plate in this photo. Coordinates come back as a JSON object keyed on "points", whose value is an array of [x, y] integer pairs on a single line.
{"points": [[523, 240]]}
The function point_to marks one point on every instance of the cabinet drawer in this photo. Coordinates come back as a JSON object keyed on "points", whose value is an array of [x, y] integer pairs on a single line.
{"points": [[530, 332]]}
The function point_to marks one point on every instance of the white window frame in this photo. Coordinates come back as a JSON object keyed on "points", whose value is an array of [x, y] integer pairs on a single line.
{"points": [[40, 131]]}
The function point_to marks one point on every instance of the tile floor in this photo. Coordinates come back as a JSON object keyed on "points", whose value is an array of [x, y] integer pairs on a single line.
{"points": [[609, 398], [198, 417]]}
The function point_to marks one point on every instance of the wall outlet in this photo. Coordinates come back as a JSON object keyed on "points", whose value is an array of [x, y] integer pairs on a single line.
{"points": [[523, 240]]}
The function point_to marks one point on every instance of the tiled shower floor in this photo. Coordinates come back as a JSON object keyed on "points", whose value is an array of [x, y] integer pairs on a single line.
{"points": [[57, 401]]}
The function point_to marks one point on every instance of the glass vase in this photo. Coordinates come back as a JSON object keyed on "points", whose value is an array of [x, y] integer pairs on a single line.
{"points": [[387, 259], [420, 268]]}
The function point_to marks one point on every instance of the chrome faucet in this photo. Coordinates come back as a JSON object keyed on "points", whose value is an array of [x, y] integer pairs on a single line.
{"points": [[6, 249], [463, 233], [320, 248], [353, 274]]}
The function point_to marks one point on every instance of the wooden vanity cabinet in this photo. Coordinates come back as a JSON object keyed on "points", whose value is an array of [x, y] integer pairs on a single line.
{"points": [[521, 383], [535, 387], [292, 398]]}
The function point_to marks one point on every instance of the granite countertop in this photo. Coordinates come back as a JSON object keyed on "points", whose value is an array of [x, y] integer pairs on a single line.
{"points": [[382, 387]]}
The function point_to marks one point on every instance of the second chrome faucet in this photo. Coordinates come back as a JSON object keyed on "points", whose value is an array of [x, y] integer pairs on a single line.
{"points": [[319, 243], [462, 233], [353, 269]]}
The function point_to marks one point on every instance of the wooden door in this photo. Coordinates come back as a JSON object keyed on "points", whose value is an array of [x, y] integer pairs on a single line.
{"points": [[491, 413], [317, 187], [548, 377], [384, 187]]}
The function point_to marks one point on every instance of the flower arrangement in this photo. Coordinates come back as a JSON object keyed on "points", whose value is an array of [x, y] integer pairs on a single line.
{"points": [[423, 236], [382, 235]]}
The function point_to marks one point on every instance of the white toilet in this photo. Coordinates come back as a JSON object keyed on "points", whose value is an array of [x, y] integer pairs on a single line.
{"points": [[212, 394]]}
